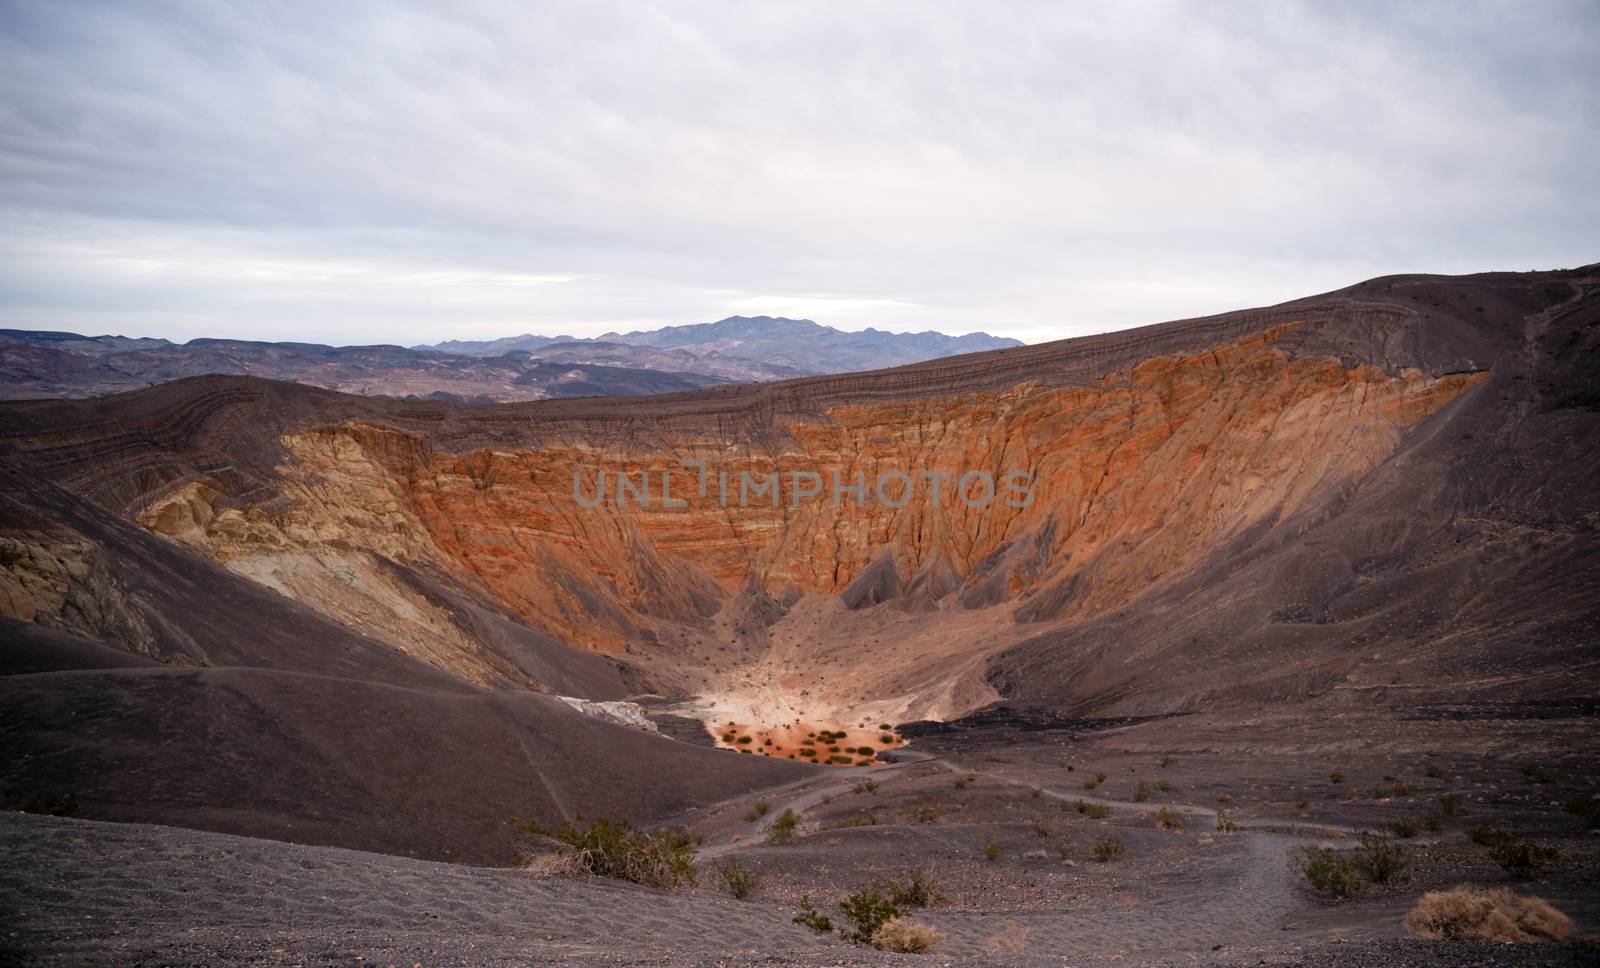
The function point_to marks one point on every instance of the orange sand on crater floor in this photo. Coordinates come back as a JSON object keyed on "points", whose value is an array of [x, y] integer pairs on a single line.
{"points": [[785, 740]]}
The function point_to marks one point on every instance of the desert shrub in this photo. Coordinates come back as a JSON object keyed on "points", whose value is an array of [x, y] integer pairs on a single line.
{"points": [[962, 782], [1534, 774], [1093, 811], [1431, 771], [1381, 860], [1108, 849], [1486, 836], [1466, 913], [1099, 777], [618, 849], [740, 880], [991, 852], [761, 809], [1224, 825], [917, 888], [1011, 939], [885, 727], [865, 787], [1141, 793], [886, 739], [867, 910], [1403, 789], [1404, 829], [784, 828], [1041, 825], [1329, 872], [745, 741], [1165, 786], [865, 751], [1337, 776], [1063, 845], [924, 812], [1169, 819], [861, 818], [807, 751], [729, 737], [551, 864], [906, 936], [1090, 783], [812, 918], [1521, 859], [1450, 804], [1167, 759]]}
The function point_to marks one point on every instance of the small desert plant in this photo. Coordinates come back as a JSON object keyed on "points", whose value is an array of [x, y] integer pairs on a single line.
{"points": [[757, 812], [1466, 913], [1099, 777], [1093, 811], [740, 880], [1064, 847], [1141, 793], [918, 888], [1381, 860], [1337, 776], [865, 787], [1169, 819], [962, 782], [1108, 849], [1011, 939], [1224, 825], [1431, 771], [1090, 783], [991, 852], [1041, 825], [1404, 829], [867, 909], [906, 936], [1167, 759], [1521, 859], [1486, 836], [1334, 875], [861, 818], [1165, 786], [924, 812], [618, 849], [784, 828], [1450, 804], [812, 918]]}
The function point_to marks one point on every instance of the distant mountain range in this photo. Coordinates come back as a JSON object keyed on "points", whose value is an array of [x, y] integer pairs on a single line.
{"points": [[735, 350], [803, 346]]}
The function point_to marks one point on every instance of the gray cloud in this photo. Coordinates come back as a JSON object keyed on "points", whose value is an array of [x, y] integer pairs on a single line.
{"points": [[384, 172]]}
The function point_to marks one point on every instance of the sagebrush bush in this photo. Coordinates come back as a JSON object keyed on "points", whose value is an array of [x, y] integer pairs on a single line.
{"points": [[1108, 849], [1521, 859], [1466, 913], [906, 936], [1328, 871], [867, 910], [1169, 819], [812, 918], [618, 849], [917, 888], [925, 812], [741, 881], [784, 827], [758, 811], [1093, 811], [1381, 860]]}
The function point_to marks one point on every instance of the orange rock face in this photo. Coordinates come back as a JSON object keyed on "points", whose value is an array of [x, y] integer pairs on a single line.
{"points": [[1131, 479]]}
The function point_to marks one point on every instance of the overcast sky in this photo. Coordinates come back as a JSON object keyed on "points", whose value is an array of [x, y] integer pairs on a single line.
{"points": [[388, 172]]}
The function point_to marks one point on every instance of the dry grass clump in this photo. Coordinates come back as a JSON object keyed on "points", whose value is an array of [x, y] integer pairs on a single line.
{"points": [[556, 863], [906, 936], [1466, 913], [617, 849], [1011, 939], [784, 828]]}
